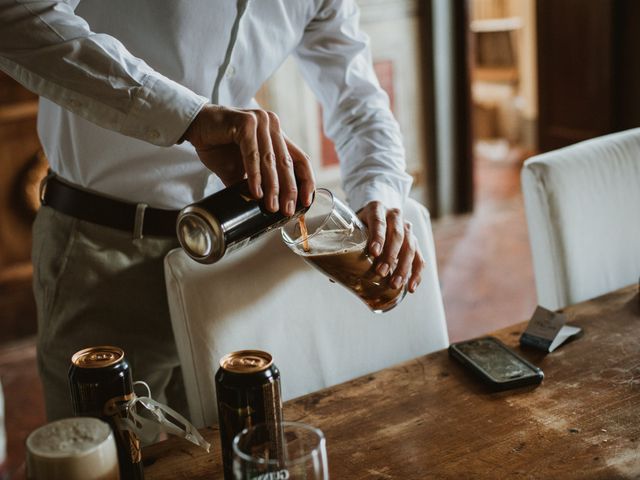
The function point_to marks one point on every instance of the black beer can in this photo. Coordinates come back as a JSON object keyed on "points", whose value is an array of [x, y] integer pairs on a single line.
{"points": [[101, 386], [248, 393], [226, 221]]}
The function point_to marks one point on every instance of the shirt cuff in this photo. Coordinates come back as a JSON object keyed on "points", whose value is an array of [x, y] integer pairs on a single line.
{"points": [[162, 111], [381, 192]]}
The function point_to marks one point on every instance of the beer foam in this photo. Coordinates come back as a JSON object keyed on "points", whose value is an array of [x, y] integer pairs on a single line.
{"points": [[68, 437], [332, 242]]}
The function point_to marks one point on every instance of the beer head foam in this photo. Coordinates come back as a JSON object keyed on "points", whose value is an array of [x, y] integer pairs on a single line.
{"points": [[68, 437], [333, 241], [78, 448]]}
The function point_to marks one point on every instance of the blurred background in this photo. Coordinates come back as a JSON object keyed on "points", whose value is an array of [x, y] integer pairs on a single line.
{"points": [[478, 86]]}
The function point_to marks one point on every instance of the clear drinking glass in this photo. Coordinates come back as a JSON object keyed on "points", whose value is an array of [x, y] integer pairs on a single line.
{"points": [[331, 238], [302, 455]]}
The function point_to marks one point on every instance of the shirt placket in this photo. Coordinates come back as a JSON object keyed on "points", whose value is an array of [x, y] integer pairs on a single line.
{"points": [[224, 68]]}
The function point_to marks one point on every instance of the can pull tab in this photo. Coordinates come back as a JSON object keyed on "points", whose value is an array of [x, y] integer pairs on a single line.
{"points": [[163, 419]]}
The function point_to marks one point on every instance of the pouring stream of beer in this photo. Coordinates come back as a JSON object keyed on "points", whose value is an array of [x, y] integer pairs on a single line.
{"points": [[304, 233]]}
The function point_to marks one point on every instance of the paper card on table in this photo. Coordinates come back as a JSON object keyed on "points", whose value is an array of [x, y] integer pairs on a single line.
{"points": [[547, 330], [567, 331]]}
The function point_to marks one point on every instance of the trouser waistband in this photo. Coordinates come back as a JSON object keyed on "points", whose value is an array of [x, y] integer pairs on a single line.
{"points": [[137, 218]]}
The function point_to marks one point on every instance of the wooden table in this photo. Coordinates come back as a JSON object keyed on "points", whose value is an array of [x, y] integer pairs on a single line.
{"points": [[427, 418]]}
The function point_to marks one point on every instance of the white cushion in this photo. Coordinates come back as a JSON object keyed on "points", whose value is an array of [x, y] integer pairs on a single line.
{"points": [[583, 211], [3, 432], [265, 297]]}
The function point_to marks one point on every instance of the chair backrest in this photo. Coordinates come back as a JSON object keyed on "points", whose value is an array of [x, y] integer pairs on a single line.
{"points": [[265, 297], [3, 439], [583, 211]]}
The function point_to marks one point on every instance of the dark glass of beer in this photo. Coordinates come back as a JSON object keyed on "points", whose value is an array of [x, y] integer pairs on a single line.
{"points": [[248, 393], [78, 448], [225, 221], [101, 386], [331, 238]]}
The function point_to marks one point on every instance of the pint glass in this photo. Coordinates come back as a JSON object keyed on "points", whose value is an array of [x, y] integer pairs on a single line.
{"points": [[303, 455], [79, 448], [331, 238]]}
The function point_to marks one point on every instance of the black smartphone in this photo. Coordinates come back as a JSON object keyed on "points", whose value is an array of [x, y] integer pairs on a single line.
{"points": [[496, 364]]}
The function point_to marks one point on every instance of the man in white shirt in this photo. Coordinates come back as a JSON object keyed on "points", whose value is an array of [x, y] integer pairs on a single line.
{"points": [[135, 97]]}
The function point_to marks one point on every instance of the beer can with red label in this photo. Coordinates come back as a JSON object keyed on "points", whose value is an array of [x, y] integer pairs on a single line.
{"points": [[101, 387], [248, 394]]}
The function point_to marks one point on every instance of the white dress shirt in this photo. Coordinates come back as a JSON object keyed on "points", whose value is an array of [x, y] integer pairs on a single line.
{"points": [[121, 80]]}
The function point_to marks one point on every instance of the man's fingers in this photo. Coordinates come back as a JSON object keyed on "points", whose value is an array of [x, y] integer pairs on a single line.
{"points": [[284, 167], [405, 259], [303, 172], [268, 172], [243, 133], [375, 218], [416, 270], [232, 169], [276, 169], [393, 241]]}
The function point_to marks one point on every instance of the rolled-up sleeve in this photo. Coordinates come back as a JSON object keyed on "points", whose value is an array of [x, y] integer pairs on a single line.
{"points": [[52, 51], [335, 60]]}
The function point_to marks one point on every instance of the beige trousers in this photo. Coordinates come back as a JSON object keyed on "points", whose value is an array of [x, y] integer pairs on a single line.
{"points": [[98, 286]]}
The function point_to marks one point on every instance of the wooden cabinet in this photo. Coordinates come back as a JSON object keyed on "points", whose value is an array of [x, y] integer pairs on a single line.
{"points": [[18, 146], [18, 163], [588, 69]]}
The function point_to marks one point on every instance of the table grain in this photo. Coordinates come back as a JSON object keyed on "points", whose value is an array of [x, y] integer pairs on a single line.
{"points": [[429, 419]]}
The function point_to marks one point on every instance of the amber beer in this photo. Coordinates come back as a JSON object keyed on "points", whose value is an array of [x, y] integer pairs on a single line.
{"points": [[225, 221], [330, 237], [101, 386], [248, 393], [347, 262]]}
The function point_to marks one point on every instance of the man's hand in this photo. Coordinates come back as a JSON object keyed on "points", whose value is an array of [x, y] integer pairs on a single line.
{"points": [[393, 244], [232, 142]]}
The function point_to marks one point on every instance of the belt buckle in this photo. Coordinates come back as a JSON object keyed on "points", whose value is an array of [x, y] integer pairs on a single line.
{"points": [[138, 223], [43, 186]]}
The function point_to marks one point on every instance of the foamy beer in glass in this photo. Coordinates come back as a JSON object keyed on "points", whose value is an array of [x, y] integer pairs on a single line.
{"points": [[78, 448], [331, 238]]}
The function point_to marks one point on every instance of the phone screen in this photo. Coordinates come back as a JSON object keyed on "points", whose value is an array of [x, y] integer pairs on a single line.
{"points": [[497, 361]]}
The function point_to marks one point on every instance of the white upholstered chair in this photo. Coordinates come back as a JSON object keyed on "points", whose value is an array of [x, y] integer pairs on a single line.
{"points": [[583, 211], [265, 297], [3, 439]]}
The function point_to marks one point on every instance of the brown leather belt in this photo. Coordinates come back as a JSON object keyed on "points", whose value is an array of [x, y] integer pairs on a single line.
{"points": [[136, 218]]}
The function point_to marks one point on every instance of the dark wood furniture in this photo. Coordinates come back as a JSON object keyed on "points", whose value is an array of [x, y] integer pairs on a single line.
{"points": [[428, 418], [588, 71], [18, 164]]}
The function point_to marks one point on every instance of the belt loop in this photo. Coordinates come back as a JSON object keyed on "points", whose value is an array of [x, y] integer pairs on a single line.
{"points": [[139, 221], [43, 185]]}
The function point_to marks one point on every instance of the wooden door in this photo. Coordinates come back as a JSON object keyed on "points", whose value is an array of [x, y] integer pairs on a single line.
{"points": [[588, 69], [575, 70]]}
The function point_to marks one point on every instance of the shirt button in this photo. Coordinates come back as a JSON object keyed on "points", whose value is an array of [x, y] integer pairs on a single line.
{"points": [[231, 71]]}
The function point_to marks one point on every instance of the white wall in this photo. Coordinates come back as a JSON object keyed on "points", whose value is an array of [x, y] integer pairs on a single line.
{"points": [[393, 28]]}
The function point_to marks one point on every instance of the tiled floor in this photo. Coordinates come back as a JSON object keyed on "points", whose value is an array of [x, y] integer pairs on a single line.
{"points": [[484, 267], [484, 262]]}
